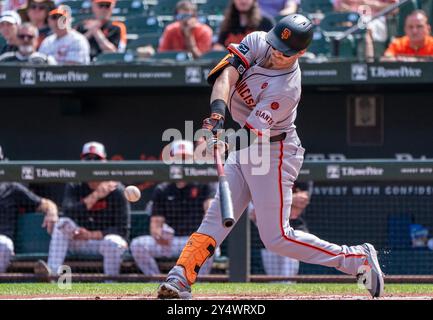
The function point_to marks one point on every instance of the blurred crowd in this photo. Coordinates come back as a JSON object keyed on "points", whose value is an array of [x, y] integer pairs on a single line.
{"points": [[52, 32]]}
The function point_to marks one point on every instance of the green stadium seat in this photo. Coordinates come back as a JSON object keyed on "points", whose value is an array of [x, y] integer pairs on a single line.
{"points": [[113, 58], [164, 7], [179, 56], [314, 6], [214, 7], [144, 40], [79, 6], [143, 24], [129, 7], [338, 21], [139, 224], [214, 55], [2, 41], [31, 238]]}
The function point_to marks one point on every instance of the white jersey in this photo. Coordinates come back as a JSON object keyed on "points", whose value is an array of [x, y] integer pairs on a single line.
{"points": [[264, 98], [71, 48]]}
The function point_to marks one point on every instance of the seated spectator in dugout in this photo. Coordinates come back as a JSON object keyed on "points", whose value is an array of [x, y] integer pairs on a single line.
{"points": [[27, 45], [66, 45], [9, 23], [417, 44], [96, 220], [241, 18], [103, 34], [36, 12], [16, 199], [186, 33], [273, 263], [177, 210]]}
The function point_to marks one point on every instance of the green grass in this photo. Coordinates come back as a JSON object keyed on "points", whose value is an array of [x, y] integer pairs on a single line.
{"points": [[241, 289]]}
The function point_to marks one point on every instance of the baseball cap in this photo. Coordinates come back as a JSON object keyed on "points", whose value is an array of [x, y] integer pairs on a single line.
{"points": [[61, 10], [11, 17], [104, 1], [182, 148], [94, 148]]}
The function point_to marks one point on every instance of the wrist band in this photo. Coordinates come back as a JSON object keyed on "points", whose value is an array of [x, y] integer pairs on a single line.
{"points": [[218, 106]]}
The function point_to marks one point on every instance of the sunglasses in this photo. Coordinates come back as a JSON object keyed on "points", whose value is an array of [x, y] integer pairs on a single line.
{"points": [[38, 6], [104, 5], [285, 55], [25, 36], [55, 16]]}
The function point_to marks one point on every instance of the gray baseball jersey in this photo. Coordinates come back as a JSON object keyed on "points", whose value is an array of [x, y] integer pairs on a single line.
{"points": [[264, 98], [268, 99]]}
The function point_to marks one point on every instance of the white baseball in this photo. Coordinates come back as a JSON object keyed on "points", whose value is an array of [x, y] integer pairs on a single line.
{"points": [[132, 193]]}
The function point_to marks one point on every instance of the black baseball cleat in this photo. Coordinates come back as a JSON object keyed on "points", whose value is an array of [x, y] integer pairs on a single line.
{"points": [[175, 287], [372, 277]]}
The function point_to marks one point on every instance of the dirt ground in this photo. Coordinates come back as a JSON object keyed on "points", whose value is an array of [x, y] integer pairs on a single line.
{"points": [[225, 297]]}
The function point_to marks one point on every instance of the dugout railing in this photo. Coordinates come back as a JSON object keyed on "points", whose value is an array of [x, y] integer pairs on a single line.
{"points": [[386, 202]]}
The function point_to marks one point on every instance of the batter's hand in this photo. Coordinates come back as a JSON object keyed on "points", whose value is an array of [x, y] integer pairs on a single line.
{"points": [[214, 123], [222, 146]]}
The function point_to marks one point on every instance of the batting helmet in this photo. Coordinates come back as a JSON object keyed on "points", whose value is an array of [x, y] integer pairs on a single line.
{"points": [[291, 34]]}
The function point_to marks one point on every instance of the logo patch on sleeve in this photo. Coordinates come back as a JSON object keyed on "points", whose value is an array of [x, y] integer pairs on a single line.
{"points": [[275, 105], [241, 69], [243, 48], [265, 117]]}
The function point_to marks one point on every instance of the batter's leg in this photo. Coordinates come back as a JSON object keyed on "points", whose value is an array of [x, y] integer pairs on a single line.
{"points": [[6, 252], [211, 233], [272, 197]]}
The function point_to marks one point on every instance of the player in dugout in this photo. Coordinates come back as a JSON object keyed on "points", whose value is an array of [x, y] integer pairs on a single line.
{"points": [[259, 82], [96, 220], [15, 199], [177, 210]]}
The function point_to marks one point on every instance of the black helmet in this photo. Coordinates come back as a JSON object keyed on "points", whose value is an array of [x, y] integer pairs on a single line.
{"points": [[291, 34]]}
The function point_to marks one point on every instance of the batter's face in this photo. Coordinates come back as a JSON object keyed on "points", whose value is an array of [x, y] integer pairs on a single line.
{"points": [[417, 27], [278, 61]]}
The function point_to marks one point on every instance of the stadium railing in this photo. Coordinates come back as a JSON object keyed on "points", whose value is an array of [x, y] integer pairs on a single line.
{"points": [[388, 203]]}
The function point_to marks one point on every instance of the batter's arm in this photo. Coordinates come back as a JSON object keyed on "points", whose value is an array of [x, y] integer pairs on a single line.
{"points": [[221, 88]]}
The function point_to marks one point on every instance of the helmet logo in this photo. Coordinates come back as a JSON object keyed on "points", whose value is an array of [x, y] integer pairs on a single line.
{"points": [[285, 34]]}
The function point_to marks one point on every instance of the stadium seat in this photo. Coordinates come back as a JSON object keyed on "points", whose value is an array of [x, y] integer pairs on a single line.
{"points": [[143, 40], [178, 56], [215, 7], [129, 7], [79, 6], [143, 24], [113, 58], [164, 7], [213, 55], [31, 238], [314, 6], [2, 41]]}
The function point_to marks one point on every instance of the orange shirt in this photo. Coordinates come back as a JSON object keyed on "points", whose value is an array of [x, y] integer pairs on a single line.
{"points": [[401, 46], [173, 40]]}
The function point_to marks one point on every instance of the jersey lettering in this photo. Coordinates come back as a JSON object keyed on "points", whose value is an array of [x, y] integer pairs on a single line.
{"points": [[265, 117], [245, 93]]}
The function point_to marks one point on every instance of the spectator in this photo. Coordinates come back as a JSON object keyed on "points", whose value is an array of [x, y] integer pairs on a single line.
{"points": [[14, 197], [66, 45], [12, 5], [103, 34], [9, 22], [36, 12], [177, 210], [275, 8], [27, 45], [417, 44], [96, 221], [186, 33], [241, 18], [377, 28], [273, 263]]}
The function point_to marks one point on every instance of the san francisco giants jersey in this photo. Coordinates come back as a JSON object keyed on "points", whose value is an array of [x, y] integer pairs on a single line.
{"points": [[263, 98]]}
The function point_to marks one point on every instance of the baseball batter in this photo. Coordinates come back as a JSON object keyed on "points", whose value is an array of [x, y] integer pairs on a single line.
{"points": [[259, 82]]}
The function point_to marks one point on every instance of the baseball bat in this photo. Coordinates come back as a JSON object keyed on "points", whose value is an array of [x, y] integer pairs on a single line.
{"points": [[226, 204]]}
